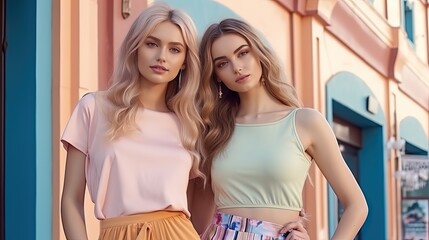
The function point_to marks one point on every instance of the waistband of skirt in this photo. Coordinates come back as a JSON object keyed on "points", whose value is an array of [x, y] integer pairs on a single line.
{"points": [[139, 218], [240, 223]]}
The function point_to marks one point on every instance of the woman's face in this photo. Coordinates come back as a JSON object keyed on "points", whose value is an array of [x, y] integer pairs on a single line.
{"points": [[235, 63], [161, 55]]}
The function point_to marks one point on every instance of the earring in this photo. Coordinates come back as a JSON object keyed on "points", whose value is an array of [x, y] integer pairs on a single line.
{"points": [[180, 78], [220, 90]]}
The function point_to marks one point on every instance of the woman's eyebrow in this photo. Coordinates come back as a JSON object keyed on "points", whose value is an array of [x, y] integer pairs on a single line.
{"points": [[159, 40], [235, 51]]}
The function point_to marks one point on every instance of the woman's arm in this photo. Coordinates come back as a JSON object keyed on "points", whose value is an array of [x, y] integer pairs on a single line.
{"points": [[321, 144], [72, 201], [201, 204]]}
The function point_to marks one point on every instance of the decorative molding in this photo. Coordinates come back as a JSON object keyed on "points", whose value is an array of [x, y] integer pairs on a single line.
{"points": [[310, 8], [362, 39], [413, 86], [126, 8], [411, 73]]}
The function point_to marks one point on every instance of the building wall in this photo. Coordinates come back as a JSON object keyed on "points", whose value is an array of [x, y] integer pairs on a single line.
{"points": [[319, 52], [75, 72]]}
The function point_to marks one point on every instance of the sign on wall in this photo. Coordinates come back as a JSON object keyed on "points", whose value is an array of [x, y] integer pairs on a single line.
{"points": [[415, 172], [415, 219]]}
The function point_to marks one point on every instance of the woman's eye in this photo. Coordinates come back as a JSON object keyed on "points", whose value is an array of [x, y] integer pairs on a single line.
{"points": [[242, 53], [175, 50], [221, 64], [151, 44]]}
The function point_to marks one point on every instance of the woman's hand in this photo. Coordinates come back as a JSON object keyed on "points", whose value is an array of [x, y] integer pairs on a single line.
{"points": [[295, 231]]}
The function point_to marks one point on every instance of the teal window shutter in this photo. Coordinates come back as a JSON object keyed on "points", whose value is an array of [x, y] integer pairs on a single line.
{"points": [[409, 19]]}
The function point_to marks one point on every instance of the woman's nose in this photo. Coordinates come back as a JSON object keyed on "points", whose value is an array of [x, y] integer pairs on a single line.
{"points": [[161, 56]]}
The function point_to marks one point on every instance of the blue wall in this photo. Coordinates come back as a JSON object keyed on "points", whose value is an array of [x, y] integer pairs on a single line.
{"points": [[28, 120], [206, 12], [203, 12], [346, 98], [413, 132]]}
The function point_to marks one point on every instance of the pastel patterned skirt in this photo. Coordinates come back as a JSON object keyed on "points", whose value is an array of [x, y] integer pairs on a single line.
{"points": [[231, 227]]}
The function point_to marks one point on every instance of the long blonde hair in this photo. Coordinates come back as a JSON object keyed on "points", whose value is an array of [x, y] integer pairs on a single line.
{"points": [[181, 99], [219, 113]]}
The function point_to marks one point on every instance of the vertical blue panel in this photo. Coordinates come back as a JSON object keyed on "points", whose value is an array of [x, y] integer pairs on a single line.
{"points": [[28, 120], [43, 141], [20, 149], [373, 183]]}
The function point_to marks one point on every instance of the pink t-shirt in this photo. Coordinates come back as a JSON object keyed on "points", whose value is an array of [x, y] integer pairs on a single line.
{"points": [[144, 171]]}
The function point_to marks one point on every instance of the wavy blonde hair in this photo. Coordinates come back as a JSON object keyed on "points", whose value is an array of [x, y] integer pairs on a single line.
{"points": [[125, 89], [219, 113]]}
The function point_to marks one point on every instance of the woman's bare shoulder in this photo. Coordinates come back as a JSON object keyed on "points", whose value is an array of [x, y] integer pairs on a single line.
{"points": [[309, 117]]}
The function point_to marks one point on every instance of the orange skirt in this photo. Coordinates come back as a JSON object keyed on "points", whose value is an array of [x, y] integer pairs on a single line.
{"points": [[148, 226]]}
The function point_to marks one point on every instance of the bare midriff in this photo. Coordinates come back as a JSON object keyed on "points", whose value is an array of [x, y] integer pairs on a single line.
{"points": [[274, 215]]}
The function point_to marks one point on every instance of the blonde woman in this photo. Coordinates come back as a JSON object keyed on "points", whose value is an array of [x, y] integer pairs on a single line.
{"points": [[259, 143], [134, 145]]}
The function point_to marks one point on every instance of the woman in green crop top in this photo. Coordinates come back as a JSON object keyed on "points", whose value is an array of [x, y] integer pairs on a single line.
{"points": [[259, 143]]}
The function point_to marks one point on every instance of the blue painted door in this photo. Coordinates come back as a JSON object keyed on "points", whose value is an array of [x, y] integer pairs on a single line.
{"points": [[2, 67], [351, 156]]}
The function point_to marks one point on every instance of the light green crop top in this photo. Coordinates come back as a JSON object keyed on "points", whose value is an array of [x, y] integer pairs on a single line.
{"points": [[263, 165]]}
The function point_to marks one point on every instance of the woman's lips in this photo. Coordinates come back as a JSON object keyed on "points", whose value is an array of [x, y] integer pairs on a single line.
{"points": [[242, 78], [158, 69]]}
